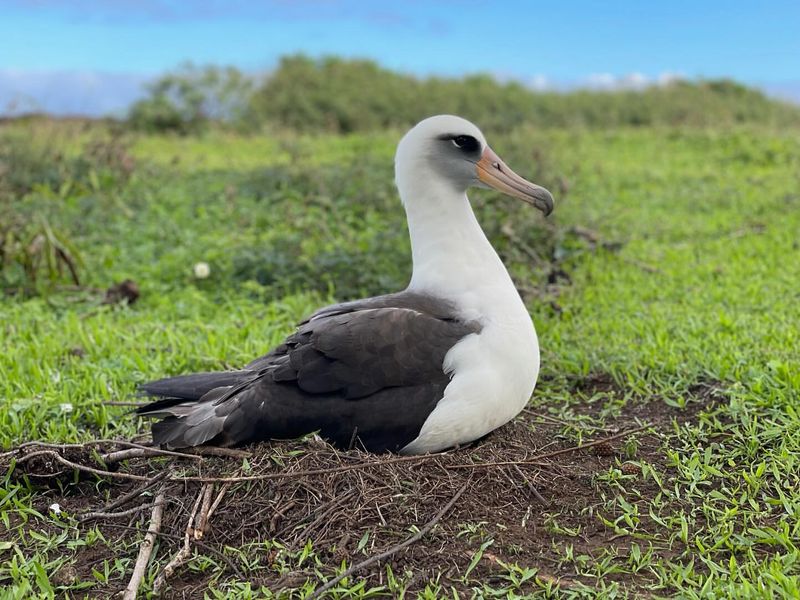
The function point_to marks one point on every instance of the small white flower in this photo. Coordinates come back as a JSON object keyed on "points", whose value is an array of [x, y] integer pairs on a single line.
{"points": [[66, 407], [201, 270], [55, 508]]}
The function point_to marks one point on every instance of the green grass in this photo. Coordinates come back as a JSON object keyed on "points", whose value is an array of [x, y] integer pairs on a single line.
{"points": [[694, 279]]}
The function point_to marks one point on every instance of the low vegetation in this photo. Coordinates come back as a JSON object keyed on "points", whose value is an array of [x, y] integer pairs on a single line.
{"points": [[664, 290], [328, 95]]}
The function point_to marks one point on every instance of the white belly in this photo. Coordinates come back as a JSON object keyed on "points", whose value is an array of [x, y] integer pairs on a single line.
{"points": [[494, 373]]}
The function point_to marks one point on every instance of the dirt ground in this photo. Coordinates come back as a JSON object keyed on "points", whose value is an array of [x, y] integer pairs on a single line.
{"points": [[525, 486]]}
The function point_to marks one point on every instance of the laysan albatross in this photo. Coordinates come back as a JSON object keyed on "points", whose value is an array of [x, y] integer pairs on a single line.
{"points": [[442, 363]]}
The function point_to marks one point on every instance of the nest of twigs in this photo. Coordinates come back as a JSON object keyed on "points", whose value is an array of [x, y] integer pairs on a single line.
{"points": [[424, 516]]}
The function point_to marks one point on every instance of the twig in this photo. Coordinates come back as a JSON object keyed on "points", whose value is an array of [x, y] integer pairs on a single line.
{"points": [[122, 500], [202, 518], [537, 460], [218, 451], [310, 473], [573, 424], [146, 549], [81, 445], [196, 453], [531, 487], [545, 417], [500, 463], [203, 545], [112, 515], [280, 514], [301, 537], [318, 593], [218, 499], [24, 445], [183, 554], [79, 467], [128, 453]]}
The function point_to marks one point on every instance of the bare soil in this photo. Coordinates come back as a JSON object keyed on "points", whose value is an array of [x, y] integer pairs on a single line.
{"points": [[352, 505]]}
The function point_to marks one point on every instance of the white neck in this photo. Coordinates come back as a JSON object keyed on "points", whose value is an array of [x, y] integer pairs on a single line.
{"points": [[452, 257], [493, 372]]}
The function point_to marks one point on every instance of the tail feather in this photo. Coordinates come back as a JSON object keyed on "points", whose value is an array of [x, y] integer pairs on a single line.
{"points": [[186, 404], [194, 386]]}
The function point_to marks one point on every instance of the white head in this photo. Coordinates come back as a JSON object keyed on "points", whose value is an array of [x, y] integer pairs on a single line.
{"points": [[450, 153]]}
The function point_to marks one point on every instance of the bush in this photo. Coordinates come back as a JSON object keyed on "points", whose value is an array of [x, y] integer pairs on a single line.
{"points": [[332, 94], [188, 99]]}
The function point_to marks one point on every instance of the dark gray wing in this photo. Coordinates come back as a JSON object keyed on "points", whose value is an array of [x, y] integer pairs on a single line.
{"points": [[422, 303], [370, 369]]}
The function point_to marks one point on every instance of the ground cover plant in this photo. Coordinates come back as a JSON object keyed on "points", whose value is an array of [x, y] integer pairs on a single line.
{"points": [[658, 456]]}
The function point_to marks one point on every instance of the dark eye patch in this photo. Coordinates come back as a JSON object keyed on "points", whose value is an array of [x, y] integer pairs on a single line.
{"points": [[466, 143]]}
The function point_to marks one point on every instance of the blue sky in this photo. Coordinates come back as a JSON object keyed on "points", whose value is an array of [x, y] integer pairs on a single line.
{"points": [[93, 55]]}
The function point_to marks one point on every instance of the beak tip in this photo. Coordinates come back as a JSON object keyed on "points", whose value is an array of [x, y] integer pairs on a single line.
{"points": [[546, 202]]}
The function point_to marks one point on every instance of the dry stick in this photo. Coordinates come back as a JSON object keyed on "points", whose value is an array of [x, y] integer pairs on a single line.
{"points": [[394, 549], [574, 424], [545, 417], [122, 500], [328, 510], [217, 500], [196, 453], [284, 475], [536, 460], [202, 545], [24, 445], [146, 549], [273, 522], [218, 451], [183, 554], [129, 444], [84, 468], [66, 446], [40, 444], [202, 518], [120, 455], [530, 485], [112, 515]]}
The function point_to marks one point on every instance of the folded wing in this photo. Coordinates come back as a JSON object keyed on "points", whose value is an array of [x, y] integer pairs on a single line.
{"points": [[367, 373]]}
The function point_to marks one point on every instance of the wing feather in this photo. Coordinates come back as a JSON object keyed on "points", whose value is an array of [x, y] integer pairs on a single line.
{"points": [[374, 367]]}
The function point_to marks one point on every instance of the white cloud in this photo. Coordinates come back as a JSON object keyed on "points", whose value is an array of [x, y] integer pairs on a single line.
{"points": [[86, 92], [599, 81], [628, 81], [97, 93], [540, 83], [668, 77], [633, 81]]}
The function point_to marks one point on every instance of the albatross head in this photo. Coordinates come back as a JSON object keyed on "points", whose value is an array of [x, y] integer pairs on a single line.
{"points": [[451, 153]]}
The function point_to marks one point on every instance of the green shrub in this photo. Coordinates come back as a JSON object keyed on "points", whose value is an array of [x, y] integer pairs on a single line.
{"points": [[337, 95], [188, 99]]}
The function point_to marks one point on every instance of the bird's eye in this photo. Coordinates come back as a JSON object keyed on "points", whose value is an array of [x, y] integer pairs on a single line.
{"points": [[467, 143]]}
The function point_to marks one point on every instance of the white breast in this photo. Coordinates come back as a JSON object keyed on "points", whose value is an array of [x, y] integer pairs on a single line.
{"points": [[493, 371], [493, 375]]}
